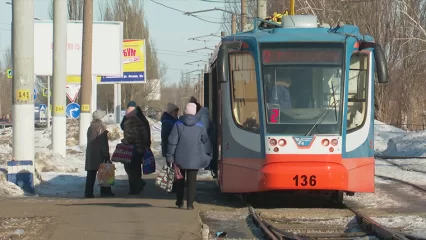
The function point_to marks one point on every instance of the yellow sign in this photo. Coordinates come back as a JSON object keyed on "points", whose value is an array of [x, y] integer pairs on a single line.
{"points": [[9, 73], [134, 63], [134, 55], [77, 79], [45, 92], [85, 108], [23, 95], [59, 109]]}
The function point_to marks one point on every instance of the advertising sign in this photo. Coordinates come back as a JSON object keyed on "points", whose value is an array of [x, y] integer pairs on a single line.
{"points": [[107, 48], [134, 61]]}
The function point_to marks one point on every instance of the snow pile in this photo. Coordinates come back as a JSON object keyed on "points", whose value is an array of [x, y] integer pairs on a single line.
{"points": [[8, 188], [392, 141]]}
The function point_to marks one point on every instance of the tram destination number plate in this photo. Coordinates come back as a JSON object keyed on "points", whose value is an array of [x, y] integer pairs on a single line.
{"points": [[305, 180]]}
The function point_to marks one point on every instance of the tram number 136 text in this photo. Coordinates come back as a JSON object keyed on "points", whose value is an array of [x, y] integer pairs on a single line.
{"points": [[304, 180]]}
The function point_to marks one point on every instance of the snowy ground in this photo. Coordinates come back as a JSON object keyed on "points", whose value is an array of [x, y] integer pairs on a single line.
{"points": [[59, 176]]}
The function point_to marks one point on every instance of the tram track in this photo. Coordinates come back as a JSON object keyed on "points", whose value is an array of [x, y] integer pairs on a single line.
{"points": [[422, 189], [387, 158], [368, 227]]}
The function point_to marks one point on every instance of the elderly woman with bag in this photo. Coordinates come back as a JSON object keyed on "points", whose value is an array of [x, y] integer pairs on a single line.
{"points": [[188, 148], [97, 152], [135, 134]]}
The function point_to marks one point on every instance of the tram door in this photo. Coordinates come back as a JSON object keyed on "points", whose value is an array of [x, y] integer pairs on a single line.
{"points": [[212, 101]]}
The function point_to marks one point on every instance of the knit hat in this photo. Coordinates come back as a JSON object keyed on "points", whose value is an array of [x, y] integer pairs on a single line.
{"points": [[191, 109], [131, 104], [98, 114], [171, 107]]}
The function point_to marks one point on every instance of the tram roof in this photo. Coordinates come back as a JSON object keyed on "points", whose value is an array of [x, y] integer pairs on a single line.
{"points": [[338, 34]]}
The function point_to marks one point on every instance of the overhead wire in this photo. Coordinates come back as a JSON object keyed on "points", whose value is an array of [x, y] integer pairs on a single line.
{"points": [[181, 11]]}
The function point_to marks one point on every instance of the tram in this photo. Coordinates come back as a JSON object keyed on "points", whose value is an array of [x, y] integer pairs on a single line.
{"points": [[293, 108]]}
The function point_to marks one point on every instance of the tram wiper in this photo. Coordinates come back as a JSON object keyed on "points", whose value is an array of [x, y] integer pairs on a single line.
{"points": [[319, 120], [324, 112]]}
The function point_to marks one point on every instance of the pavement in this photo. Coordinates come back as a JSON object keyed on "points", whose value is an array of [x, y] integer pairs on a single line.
{"points": [[152, 215]]}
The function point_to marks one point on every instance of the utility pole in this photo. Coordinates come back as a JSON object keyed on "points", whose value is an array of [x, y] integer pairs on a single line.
{"points": [[86, 72], [243, 14], [234, 24], [23, 81], [291, 7], [59, 127], [261, 9]]}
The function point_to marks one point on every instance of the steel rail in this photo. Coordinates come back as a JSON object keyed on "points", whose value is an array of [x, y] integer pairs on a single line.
{"points": [[404, 182], [367, 224]]}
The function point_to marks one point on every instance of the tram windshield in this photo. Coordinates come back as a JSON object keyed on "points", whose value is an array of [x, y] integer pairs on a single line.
{"points": [[302, 85]]}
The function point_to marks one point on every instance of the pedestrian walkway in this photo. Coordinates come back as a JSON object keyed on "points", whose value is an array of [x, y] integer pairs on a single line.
{"points": [[152, 215]]}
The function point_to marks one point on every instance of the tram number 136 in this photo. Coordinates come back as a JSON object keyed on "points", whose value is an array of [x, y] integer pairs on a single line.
{"points": [[304, 180]]}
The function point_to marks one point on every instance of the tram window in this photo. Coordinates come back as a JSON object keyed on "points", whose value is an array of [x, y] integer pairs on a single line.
{"points": [[357, 91], [244, 96]]}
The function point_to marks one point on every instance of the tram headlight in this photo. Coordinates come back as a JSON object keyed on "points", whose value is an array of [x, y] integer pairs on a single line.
{"points": [[282, 142], [325, 142], [273, 142], [334, 142]]}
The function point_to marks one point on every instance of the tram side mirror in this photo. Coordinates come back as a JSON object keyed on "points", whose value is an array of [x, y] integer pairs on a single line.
{"points": [[223, 59], [379, 58]]}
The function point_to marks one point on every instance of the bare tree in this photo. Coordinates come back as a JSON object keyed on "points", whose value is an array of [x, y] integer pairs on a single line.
{"points": [[6, 85], [131, 13], [75, 9]]}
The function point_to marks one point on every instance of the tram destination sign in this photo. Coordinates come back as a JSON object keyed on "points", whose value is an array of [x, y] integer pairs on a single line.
{"points": [[301, 56]]}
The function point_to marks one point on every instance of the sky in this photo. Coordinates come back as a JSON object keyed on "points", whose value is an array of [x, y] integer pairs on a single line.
{"points": [[170, 31]]}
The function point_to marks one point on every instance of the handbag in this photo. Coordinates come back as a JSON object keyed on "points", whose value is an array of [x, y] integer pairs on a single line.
{"points": [[165, 178], [123, 153], [106, 174], [148, 162]]}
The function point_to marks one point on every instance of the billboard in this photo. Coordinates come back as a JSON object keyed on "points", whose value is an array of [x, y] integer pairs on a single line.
{"points": [[134, 62], [107, 48]]}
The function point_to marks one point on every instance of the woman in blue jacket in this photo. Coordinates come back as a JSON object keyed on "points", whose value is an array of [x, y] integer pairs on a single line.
{"points": [[189, 148]]}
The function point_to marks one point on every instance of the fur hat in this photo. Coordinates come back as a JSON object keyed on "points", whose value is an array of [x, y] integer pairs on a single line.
{"points": [[191, 109], [131, 104], [98, 114], [171, 107]]}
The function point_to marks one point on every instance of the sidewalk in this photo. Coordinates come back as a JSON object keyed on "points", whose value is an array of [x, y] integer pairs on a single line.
{"points": [[152, 215]]}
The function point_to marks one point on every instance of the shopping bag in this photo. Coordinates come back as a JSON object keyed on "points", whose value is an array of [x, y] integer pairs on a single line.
{"points": [[178, 174], [123, 153], [106, 175], [165, 178], [148, 162]]}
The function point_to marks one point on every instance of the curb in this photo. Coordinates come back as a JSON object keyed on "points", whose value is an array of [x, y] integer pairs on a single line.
{"points": [[205, 231]]}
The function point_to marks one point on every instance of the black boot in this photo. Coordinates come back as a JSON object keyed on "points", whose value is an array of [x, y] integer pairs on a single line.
{"points": [[106, 192], [179, 204]]}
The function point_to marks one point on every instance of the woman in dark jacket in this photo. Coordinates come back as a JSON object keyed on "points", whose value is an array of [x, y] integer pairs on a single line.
{"points": [[146, 131], [97, 152], [188, 148], [168, 120], [133, 127]]}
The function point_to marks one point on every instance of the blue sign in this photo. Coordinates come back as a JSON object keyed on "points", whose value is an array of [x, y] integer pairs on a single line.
{"points": [[73, 110], [303, 141], [42, 107], [129, 77], [35, 94]]}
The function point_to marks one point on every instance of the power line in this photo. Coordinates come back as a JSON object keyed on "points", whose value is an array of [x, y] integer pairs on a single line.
{"points": [[173, 51], [181, 11]]}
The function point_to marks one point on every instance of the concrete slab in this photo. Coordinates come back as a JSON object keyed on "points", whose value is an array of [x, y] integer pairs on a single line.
{"points": [[152, 215]]}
